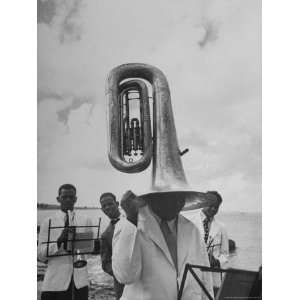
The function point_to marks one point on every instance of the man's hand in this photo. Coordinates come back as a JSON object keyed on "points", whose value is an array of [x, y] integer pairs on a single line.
{"points": [[131, 204], [64, 235], [214, 263], [97, 246]]}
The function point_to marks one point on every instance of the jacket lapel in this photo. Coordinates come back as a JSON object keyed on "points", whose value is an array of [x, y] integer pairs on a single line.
{"points": [[150, 227], [59, 219], [182, 247]]}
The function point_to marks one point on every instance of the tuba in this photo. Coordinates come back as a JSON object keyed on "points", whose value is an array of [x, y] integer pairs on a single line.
{"points": [[135, 139]]}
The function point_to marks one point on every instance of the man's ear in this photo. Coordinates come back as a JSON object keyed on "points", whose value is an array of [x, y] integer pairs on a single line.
{"points": [[118, 203], [58, 199], [75, 199]]}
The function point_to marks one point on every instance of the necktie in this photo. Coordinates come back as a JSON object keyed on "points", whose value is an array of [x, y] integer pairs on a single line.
{"points": [[206, 229], [170, 239], [66, 225]]}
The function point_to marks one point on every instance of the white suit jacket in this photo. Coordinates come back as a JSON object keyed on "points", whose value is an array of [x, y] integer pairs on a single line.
{"points": [[141, 260], [60, 269], [217, 239]]}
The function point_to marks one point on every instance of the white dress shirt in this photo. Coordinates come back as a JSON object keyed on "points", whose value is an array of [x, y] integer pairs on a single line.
{"points": [[217, 242], [60, 268]]}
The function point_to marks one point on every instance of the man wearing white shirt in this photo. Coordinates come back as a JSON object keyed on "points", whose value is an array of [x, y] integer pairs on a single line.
{"points": [[110, 207], [61, 278], [152, 246], [214, 233]]}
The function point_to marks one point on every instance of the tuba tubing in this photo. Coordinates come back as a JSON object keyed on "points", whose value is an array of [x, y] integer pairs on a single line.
{"points": [[116, 128], [167, 171]]}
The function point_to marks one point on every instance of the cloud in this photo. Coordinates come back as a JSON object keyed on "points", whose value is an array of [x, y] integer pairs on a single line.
{"points": [[45, 11], [210, 34], [80, 144], [67, 20], [70, 103], [63, 114], [62, 15]]}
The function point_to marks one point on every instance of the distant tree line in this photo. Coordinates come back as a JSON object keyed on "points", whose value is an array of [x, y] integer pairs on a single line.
{"points": [[56, 206], [47, 206]]}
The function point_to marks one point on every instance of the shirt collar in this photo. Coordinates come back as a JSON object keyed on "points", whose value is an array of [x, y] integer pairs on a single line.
{"points": [[62, 214], [203, 215], [114, 221]]}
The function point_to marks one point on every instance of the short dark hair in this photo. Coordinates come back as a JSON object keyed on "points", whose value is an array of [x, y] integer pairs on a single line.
{"points": [[108, 194], [218, 196], [66, 186]]}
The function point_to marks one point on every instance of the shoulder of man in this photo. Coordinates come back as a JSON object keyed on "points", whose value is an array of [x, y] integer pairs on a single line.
{"points": [[195, 216], [51, 218], [45, 222], [221, 227], [186, 221], [189, 226], [218, 223], [107, 231]]}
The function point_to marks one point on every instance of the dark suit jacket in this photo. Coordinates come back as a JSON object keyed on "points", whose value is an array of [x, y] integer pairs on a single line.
{"points": [[106, 253]]}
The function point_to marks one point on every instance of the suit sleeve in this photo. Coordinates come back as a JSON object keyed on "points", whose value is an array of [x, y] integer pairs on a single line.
{"points": [[105, 252], [42, 246], [126, 248], [206, 276], [224, 248]]}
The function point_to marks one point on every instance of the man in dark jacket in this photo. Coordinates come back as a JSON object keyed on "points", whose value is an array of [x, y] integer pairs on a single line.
{"points": [[110, 207]]}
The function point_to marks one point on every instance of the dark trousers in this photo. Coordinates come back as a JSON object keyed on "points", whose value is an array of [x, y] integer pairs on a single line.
{"points": [[118, 288], [79, 294]]}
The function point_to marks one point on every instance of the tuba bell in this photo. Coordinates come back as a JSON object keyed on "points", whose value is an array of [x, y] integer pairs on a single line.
{"points": [[135, 140]]}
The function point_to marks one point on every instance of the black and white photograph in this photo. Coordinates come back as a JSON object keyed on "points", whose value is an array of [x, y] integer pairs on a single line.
{"points": [[149, 150]]}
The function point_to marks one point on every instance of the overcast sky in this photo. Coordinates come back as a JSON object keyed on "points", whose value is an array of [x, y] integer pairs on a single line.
{"points": [[210, 52]]}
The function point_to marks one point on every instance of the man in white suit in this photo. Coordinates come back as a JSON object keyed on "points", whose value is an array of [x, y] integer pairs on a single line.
{"points": [[151, 248], [214, 233], [61, 279]]}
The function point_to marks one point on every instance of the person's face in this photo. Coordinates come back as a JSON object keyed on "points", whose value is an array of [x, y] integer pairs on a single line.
{"points": [[211, 211], [167, 209], [67, 199], [110, 207]]}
